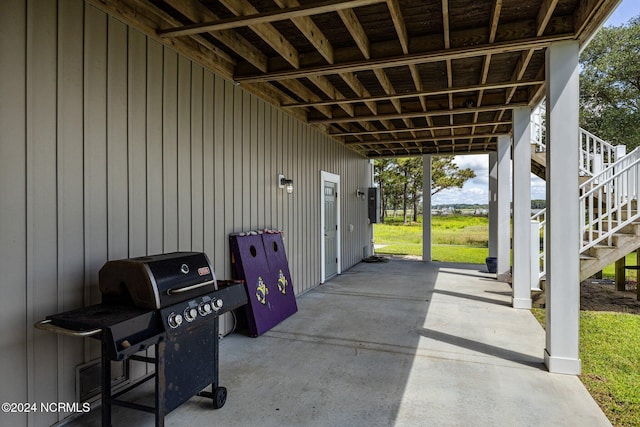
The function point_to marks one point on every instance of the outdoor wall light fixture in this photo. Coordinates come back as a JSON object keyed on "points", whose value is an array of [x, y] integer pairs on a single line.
{"points": [[285, 183], [360, 194]]}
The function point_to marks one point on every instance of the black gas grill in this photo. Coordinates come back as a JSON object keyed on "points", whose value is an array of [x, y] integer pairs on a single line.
{"points": [[171, 301]]}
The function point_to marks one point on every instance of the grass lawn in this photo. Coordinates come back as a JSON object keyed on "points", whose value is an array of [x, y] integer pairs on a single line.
{"points": [[454, 238], [610, 353]]}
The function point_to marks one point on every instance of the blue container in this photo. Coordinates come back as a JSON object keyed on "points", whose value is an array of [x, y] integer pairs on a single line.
{"points": [[492, 264]]}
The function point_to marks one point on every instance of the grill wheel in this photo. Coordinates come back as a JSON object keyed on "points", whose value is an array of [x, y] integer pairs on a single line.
{"points": [[219, 397]]}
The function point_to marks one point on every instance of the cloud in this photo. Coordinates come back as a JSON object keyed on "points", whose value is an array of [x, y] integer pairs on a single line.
{"points": [[476, 190]]}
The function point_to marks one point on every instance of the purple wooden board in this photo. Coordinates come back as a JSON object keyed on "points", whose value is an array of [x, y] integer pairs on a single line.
{"points": [[267, 305], [279, 266]]}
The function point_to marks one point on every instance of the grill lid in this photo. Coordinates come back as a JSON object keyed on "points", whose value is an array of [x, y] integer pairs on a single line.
{"points": [[156, 281]]}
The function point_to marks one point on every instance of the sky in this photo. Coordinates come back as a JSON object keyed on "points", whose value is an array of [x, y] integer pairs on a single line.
{"points": [[476, 191]]}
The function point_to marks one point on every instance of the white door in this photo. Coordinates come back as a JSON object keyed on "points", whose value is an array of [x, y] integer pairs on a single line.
{"points": [[330, 229], [330, 225]]}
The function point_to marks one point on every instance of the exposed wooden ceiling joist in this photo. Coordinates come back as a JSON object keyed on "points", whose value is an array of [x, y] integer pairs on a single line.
{"points": [[310, 30], [416, 58], [424, 93], [419, 140], [431, 113], [423, 129], [384, 77], [266, 17]]}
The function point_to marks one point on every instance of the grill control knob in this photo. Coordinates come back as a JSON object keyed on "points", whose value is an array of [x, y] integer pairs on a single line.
{"points": [[175, 320], [217, 304], [204, 308], [190, 314]]}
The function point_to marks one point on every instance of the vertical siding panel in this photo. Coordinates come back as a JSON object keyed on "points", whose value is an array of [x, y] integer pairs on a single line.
{"points": [[95, 155], [223, 179], [254, 189], [286, 167], [208, 151], [16, 331], [237, 161], [137, 137], [290, 125], [246, 161], [221, 254], [269, 172], [197, 195], [315, 209], [294, 233], [117, 164], [308, 192], [261, 188], [70, 188], [137, 154], [154, 160], [314, 188], [278, 153], [263, 161], [302, 208], [170, 151], [304, 200], [42, 290], [184, 154], [281, 152], [228, 161], [275, 169]]}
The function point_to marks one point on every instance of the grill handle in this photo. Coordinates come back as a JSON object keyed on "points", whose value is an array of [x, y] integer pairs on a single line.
{"points": [[46, 325], [189, 288]]}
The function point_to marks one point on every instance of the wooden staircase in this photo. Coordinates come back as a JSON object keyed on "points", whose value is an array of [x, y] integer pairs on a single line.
{"points": [[610, 221], [623, 242], [596, 258]]}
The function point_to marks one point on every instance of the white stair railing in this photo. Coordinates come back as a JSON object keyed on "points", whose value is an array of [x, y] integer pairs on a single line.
{"points": [[614, 180], [538, 129], [606, 201], [597, 154]]}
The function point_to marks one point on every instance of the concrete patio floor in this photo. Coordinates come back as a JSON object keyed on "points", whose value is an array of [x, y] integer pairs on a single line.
{"points": [[402, 343]]}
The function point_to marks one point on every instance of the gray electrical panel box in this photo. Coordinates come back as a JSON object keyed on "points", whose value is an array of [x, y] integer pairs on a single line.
{"points": [[374, 205]]}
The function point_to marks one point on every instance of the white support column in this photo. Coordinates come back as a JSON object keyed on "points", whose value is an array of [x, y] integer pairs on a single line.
{"points": [[522, 208], [493, 204], [563, 228], [426, 208], [504, 207]]}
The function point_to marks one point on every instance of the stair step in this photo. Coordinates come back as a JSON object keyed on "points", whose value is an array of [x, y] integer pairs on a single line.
{"points": [[631, 228], [602, 247], [615, 234]]}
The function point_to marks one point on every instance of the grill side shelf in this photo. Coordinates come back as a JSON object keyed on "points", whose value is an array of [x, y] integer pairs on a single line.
{"points": [[46, 325]]}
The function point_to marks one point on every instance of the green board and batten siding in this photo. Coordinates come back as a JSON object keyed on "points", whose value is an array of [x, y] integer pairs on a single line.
{"points": [[111, 146]]}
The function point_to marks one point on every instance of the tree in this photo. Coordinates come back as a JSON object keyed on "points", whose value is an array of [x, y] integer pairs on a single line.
{"points": [[446, 174], [411, 172], [400, 181], [382, 175], [610, 84]]}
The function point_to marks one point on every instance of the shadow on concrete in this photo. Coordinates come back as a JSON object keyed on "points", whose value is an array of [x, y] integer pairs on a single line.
{"points": [[484, 348], [473, 297]]}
